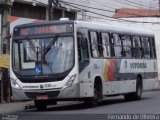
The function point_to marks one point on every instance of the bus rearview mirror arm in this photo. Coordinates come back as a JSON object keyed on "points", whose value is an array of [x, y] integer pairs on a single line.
{"points": [[4, 44]]}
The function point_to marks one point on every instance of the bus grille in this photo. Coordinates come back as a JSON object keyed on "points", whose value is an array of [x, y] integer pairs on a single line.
{"points": [[50, 94]]}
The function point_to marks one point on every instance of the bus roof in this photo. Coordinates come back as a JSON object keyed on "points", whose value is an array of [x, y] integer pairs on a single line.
{"points": [[114, 28]]}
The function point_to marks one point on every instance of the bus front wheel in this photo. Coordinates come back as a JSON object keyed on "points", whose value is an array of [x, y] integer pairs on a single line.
{"points": [[138, 94], [92, 102], [135, 95]]}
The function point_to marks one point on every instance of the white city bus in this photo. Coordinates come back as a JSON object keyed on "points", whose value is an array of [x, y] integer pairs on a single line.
{"points": [[76, 60]]}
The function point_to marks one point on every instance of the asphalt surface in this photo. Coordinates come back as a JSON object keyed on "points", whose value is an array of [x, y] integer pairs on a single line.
{"points": [[147, 108]]}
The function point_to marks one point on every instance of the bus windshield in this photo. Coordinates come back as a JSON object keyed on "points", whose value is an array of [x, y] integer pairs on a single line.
{"points": [[43, 56]]}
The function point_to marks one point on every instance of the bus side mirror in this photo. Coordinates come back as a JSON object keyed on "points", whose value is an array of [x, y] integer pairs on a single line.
{"points": [[4, 48], [84, 43], [5, 44]]}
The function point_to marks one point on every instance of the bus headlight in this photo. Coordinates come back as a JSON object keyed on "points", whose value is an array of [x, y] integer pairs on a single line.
{"points": [[15, 84], [71, 81]]}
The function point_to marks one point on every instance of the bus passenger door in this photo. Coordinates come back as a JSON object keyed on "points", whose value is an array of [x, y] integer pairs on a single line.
{"points": [[83, 55], [86, 87]]}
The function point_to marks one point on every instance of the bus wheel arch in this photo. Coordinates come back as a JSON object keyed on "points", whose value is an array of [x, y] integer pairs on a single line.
{"points": [[97, 97], [138, 93], [139, 79], [139, 88], [98, 86]]}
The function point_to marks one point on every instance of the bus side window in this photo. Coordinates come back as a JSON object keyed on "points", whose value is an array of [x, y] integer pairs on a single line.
{"points": [[116, 41], [94, 44], [16, 61], [79, 48], [85, 54], [146, 46], [137, 49], [127, 44], [105, 45], [152, 47]]}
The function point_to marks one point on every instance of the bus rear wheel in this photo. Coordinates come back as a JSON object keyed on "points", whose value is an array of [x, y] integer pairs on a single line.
{"points": [[40, 104]]}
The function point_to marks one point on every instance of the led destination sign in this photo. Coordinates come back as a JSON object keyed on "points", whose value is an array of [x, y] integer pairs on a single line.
{"points": [[47, 29]]}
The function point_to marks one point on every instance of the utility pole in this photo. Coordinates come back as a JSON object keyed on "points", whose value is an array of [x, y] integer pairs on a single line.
{"points": [[50, 5], [4, 49]]}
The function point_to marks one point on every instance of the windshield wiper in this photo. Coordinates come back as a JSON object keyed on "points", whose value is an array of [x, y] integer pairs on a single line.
{"points": [[32, 46], [50, 44]]}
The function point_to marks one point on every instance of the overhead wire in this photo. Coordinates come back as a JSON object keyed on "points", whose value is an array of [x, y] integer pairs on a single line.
{"points": [[104, 5], [74, 5], [121, 12], [128, 4], [135, 3], [114, 4], [90, 7], [120, 19], [95, 7], [131, 3], [109, 18]]}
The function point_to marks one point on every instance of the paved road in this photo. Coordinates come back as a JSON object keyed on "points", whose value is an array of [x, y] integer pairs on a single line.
{"points": [[150, 104]]}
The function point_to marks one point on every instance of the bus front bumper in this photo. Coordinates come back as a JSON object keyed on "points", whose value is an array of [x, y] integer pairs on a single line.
{"points": [[63, 93]]}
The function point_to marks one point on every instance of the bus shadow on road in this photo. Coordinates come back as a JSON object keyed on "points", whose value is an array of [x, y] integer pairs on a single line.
{"points": [[81, 106]]}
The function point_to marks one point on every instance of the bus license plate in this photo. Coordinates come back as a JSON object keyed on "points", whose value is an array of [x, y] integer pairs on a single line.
{"points": [[42, 97]]}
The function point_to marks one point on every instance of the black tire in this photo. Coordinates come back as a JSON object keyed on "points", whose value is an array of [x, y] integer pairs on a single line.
{"points": [[135, 95], [138, 94], [92, 102], [40, 104]]}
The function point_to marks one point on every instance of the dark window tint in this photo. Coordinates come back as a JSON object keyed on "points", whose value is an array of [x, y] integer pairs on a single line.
{"points": [[146, 46], [105, 44], [94, 44], [127, 44], [137, 49], [116, 44], [153, 50]]}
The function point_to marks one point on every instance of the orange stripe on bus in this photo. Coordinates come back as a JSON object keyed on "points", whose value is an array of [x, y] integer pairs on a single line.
{"points": [[13, 18]]}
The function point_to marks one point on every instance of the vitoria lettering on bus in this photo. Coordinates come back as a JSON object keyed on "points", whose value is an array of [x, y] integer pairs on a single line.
{"points": [[135, 64], [138, 65]]}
